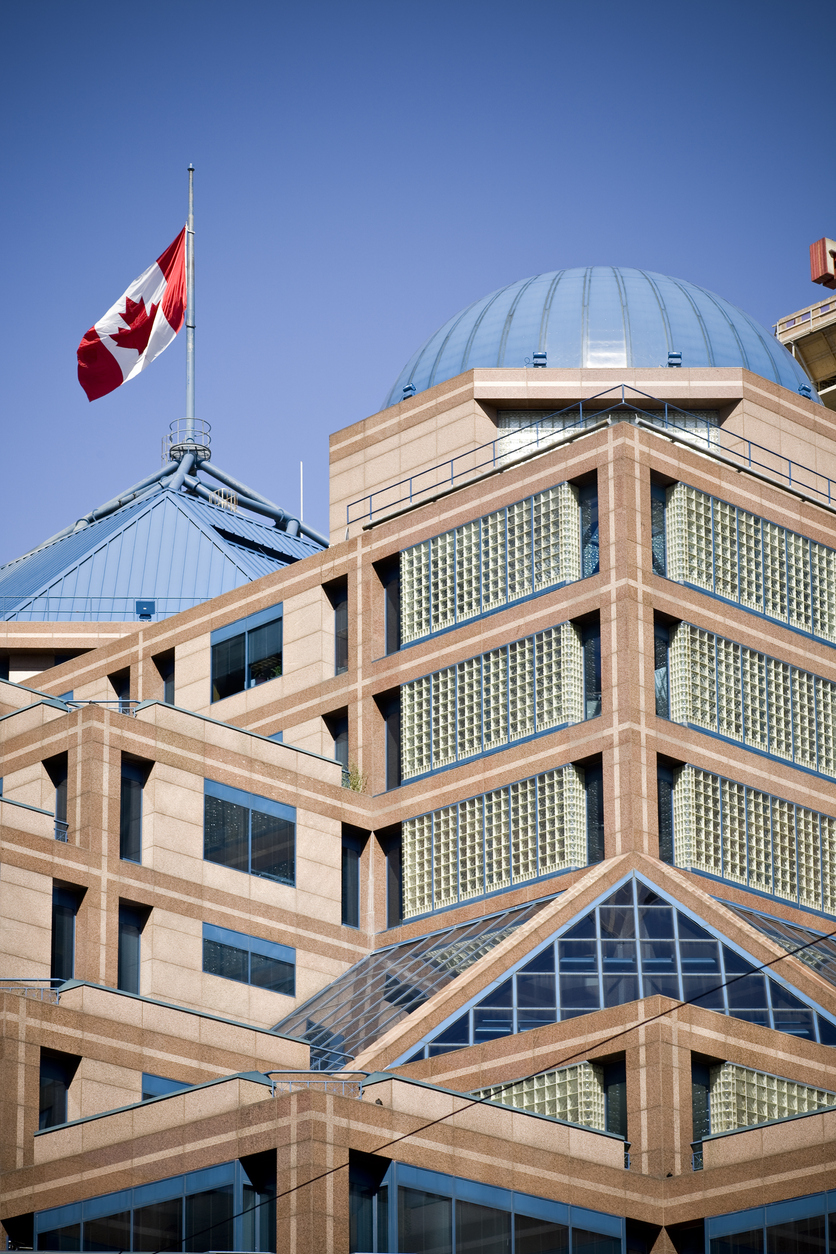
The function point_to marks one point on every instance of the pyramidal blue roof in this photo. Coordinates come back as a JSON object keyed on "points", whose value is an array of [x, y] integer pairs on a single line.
{"points": [[608, 316], [168, 547]]}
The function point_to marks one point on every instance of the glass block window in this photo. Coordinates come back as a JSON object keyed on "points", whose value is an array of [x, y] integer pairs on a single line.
{"points": [[429, 1212], [748, 560], [741, 1098], [199, 1210], [531, 828], [749, 837], [493, 561], [382, 989], [518, 690], [746, 696], [632, 945], [249, 833], [249, 959], [247, 652], [574, 1094]]}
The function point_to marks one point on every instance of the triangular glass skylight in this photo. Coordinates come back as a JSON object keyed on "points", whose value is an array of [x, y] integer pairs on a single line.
{"points": [[383, 988], [633, 944], [813, 948]]}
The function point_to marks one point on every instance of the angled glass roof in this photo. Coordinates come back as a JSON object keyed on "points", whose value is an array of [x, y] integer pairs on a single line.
{"points": [[817, 950], [605, 316], [632, 944], [383, 988]]}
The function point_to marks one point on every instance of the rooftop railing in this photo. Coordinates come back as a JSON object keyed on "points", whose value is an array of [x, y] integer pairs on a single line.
{"points": [[805, 319], [39, 988], [349, 1085], [60, 827], [507, 450]]}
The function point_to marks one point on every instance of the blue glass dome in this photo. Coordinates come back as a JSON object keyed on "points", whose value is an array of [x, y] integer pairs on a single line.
{"points": [[599, 316]]}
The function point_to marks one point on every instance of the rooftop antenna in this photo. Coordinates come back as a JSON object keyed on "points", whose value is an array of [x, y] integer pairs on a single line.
{"points": [[190, 312]]}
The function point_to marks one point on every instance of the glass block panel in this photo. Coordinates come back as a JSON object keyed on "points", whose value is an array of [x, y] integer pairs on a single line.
{"points": [[415, 592], [750, 560], [497, 841], [743, 1098], [494, 564], [443, 717], [416, 862], [519, 550], [823, 590], [416, 722], [574, 1094], [443, 581], [469, 707], [468, 572], [523, 820], [445, 857], [521, 688], [471, 848], [799, 589], [775, 570], [495, 698], [725, 549]]}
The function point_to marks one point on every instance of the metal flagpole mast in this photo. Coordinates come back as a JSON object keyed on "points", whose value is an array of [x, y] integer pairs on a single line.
{"points": [[190, 433]]}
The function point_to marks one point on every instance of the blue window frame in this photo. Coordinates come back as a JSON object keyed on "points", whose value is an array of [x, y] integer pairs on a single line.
{"points": [[249, 959], [633, 944], [159, 1086], [196, 1211], [247, 652], [429, 1212], [800, 1224], [249, 833]]}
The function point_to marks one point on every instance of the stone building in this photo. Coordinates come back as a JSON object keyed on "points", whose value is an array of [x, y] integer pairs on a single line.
{"points": [[464, 884]]}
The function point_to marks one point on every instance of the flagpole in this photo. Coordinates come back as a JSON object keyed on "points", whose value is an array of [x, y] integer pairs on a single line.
{"points": [[190, 432]]}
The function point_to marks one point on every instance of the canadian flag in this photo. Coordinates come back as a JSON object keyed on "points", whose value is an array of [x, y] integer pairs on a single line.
{"points": [[138, 327]]}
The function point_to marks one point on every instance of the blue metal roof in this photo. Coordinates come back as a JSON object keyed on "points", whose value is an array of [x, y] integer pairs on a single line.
{"points": [[168, 547], [606, 316]]}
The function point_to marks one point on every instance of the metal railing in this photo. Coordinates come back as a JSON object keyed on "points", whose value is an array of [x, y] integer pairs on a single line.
{"points": [[123, 608], [499, 452], [299, 1081], [61, 828], [125, 705], [38, 988]]}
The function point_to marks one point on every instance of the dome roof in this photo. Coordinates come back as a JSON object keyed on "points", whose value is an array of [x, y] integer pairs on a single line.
{"points": [[599, 316]]}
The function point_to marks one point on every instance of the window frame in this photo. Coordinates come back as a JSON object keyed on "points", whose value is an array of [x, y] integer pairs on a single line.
{"points": [[267, 806], [254, 945], [244, 628]]}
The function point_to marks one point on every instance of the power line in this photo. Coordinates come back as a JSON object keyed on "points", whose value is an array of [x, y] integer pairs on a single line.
{"points": [[478, 1101]]}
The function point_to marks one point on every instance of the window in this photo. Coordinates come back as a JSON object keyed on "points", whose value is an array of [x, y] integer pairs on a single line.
{"points": [[164, 663], [356, 1009], [352, 848], [758, 564], [196, 1211], [661, 645], [658, 535], [394, 879], [337, 725], [246, 653], [249, 960], [57, 1070], [798, 1224], [389, 704], [134, 777], [132, 920], [576, 1094], [249, 833], [633, 944], [120, 682], [664, 794], [440, 1214], [746, 696], [57, 769], [66, 899], [740, 1097], [337, 593], [484, 565], [389, 573], [159, 1086], [480, 705], [531, 828]]}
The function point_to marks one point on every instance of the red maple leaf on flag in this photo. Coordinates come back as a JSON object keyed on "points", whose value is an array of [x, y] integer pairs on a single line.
{"points": [[140, 322]]}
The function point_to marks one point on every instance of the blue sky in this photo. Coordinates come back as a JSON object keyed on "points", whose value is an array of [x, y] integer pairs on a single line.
{"points": [[365, 170]]}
